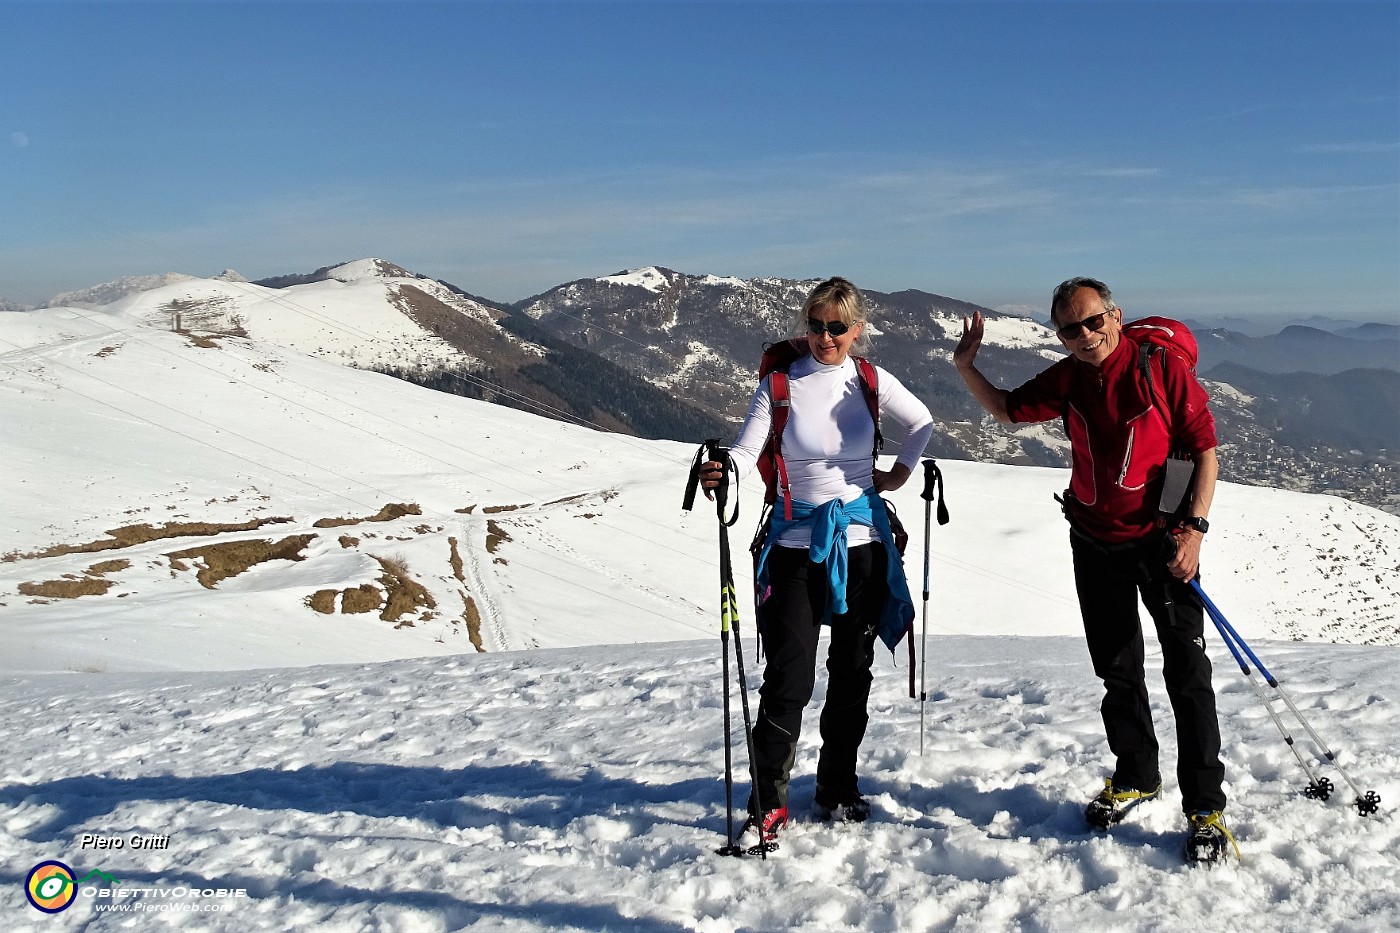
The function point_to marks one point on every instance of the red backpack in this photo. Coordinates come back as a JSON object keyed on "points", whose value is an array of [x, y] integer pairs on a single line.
{"points": [[1172, 339], [1167, 334], [1161, 334]]}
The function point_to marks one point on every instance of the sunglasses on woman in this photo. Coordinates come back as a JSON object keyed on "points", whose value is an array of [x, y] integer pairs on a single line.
{"points": [[1093, 322], [834, 328]]}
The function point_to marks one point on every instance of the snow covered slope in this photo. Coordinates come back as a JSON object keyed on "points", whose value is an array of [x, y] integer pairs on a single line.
{"points": [[582, 789], [189, 503], [137, 445]]}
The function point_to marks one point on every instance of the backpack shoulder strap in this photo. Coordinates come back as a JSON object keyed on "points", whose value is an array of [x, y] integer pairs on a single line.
{"points": [[781, 407], [870, 386], [1146, 351]]}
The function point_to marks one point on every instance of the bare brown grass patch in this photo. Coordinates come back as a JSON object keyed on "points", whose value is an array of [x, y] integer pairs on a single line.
{"points": [[72, 586], [108, 566], [472, 616], [390, 512], [68, 588], [132, 535], [455, 559], [203, 341], [322, 601], [231, 558], [363, 598], [495, 536], [405, 594]]}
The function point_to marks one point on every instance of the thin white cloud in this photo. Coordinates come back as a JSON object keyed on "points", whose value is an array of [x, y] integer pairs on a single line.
{"points": [[1355, 148], [19, 140], [1303, 196], [1122, 173]]}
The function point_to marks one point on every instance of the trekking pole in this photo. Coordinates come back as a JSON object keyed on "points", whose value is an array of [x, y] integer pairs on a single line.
{"points": [[729, 610], [931, 474], [729, 618], [1319, 788]]}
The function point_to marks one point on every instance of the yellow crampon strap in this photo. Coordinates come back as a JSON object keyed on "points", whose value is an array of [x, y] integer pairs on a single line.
{"points": [[1218, 821]]}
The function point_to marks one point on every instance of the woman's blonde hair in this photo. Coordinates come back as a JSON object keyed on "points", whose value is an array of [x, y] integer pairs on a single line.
{"points": [[840, 294]]}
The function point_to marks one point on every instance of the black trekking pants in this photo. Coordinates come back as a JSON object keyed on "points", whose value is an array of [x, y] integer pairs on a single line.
{"points": [[791, 625], [1109, 579]]}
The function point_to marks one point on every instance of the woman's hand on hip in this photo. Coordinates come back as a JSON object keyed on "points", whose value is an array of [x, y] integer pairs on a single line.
{"points": [[891, 479]]}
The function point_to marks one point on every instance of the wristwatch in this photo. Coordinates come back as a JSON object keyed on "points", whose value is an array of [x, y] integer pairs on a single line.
{"points": [[1196, 522]]}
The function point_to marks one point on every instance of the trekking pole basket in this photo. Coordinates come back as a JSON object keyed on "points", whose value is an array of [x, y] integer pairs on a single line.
{"points": [[1319, 787]]}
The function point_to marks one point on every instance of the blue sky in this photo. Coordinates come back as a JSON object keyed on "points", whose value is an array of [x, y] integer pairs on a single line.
{"points": [[1205, 159]]}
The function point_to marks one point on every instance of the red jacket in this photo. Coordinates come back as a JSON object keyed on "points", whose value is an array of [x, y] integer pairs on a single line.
{"points": [[1117, 436]]}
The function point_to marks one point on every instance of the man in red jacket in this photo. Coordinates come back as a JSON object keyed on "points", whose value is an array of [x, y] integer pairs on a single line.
{"points": [[1120, 434]]}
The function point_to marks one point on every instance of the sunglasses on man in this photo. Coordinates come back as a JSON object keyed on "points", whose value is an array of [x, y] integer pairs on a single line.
{"points": [[834, 328], [1093, 322]]}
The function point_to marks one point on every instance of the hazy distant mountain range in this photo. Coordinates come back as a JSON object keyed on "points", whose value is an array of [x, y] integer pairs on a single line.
{"points": [[661, 353], [1303, 349]]}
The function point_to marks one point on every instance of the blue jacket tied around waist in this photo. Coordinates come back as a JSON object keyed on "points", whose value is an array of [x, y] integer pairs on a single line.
{"points": [[829, 523]]}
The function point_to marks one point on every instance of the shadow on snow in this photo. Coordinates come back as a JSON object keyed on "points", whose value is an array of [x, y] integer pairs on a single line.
{"points": [[448, 797]]}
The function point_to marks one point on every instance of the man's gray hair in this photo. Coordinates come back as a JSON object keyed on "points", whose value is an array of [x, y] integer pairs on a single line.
{"points": [[1066, 289]]}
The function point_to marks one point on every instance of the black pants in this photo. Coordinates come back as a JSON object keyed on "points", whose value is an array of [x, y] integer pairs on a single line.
{"points": [[1109, 580], [792, 621]]}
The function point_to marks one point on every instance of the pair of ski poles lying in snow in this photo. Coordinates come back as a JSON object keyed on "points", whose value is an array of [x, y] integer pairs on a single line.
{"points": [[1319, 787]]}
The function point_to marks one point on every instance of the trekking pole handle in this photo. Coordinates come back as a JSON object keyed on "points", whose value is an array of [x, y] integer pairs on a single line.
{"points": [[933, 478], [692, 483], [718, 453]]}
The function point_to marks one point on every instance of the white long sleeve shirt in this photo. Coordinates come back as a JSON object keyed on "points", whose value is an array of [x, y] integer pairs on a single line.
{"points": [[829, 436]]}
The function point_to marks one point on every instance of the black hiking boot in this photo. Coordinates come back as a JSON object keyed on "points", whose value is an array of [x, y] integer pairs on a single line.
{"points": [[1206, 843], [1113, 803], [850, 808]]}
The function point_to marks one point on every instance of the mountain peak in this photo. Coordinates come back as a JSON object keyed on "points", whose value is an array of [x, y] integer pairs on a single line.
{"points": [[652, 278], [368, 269]]}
